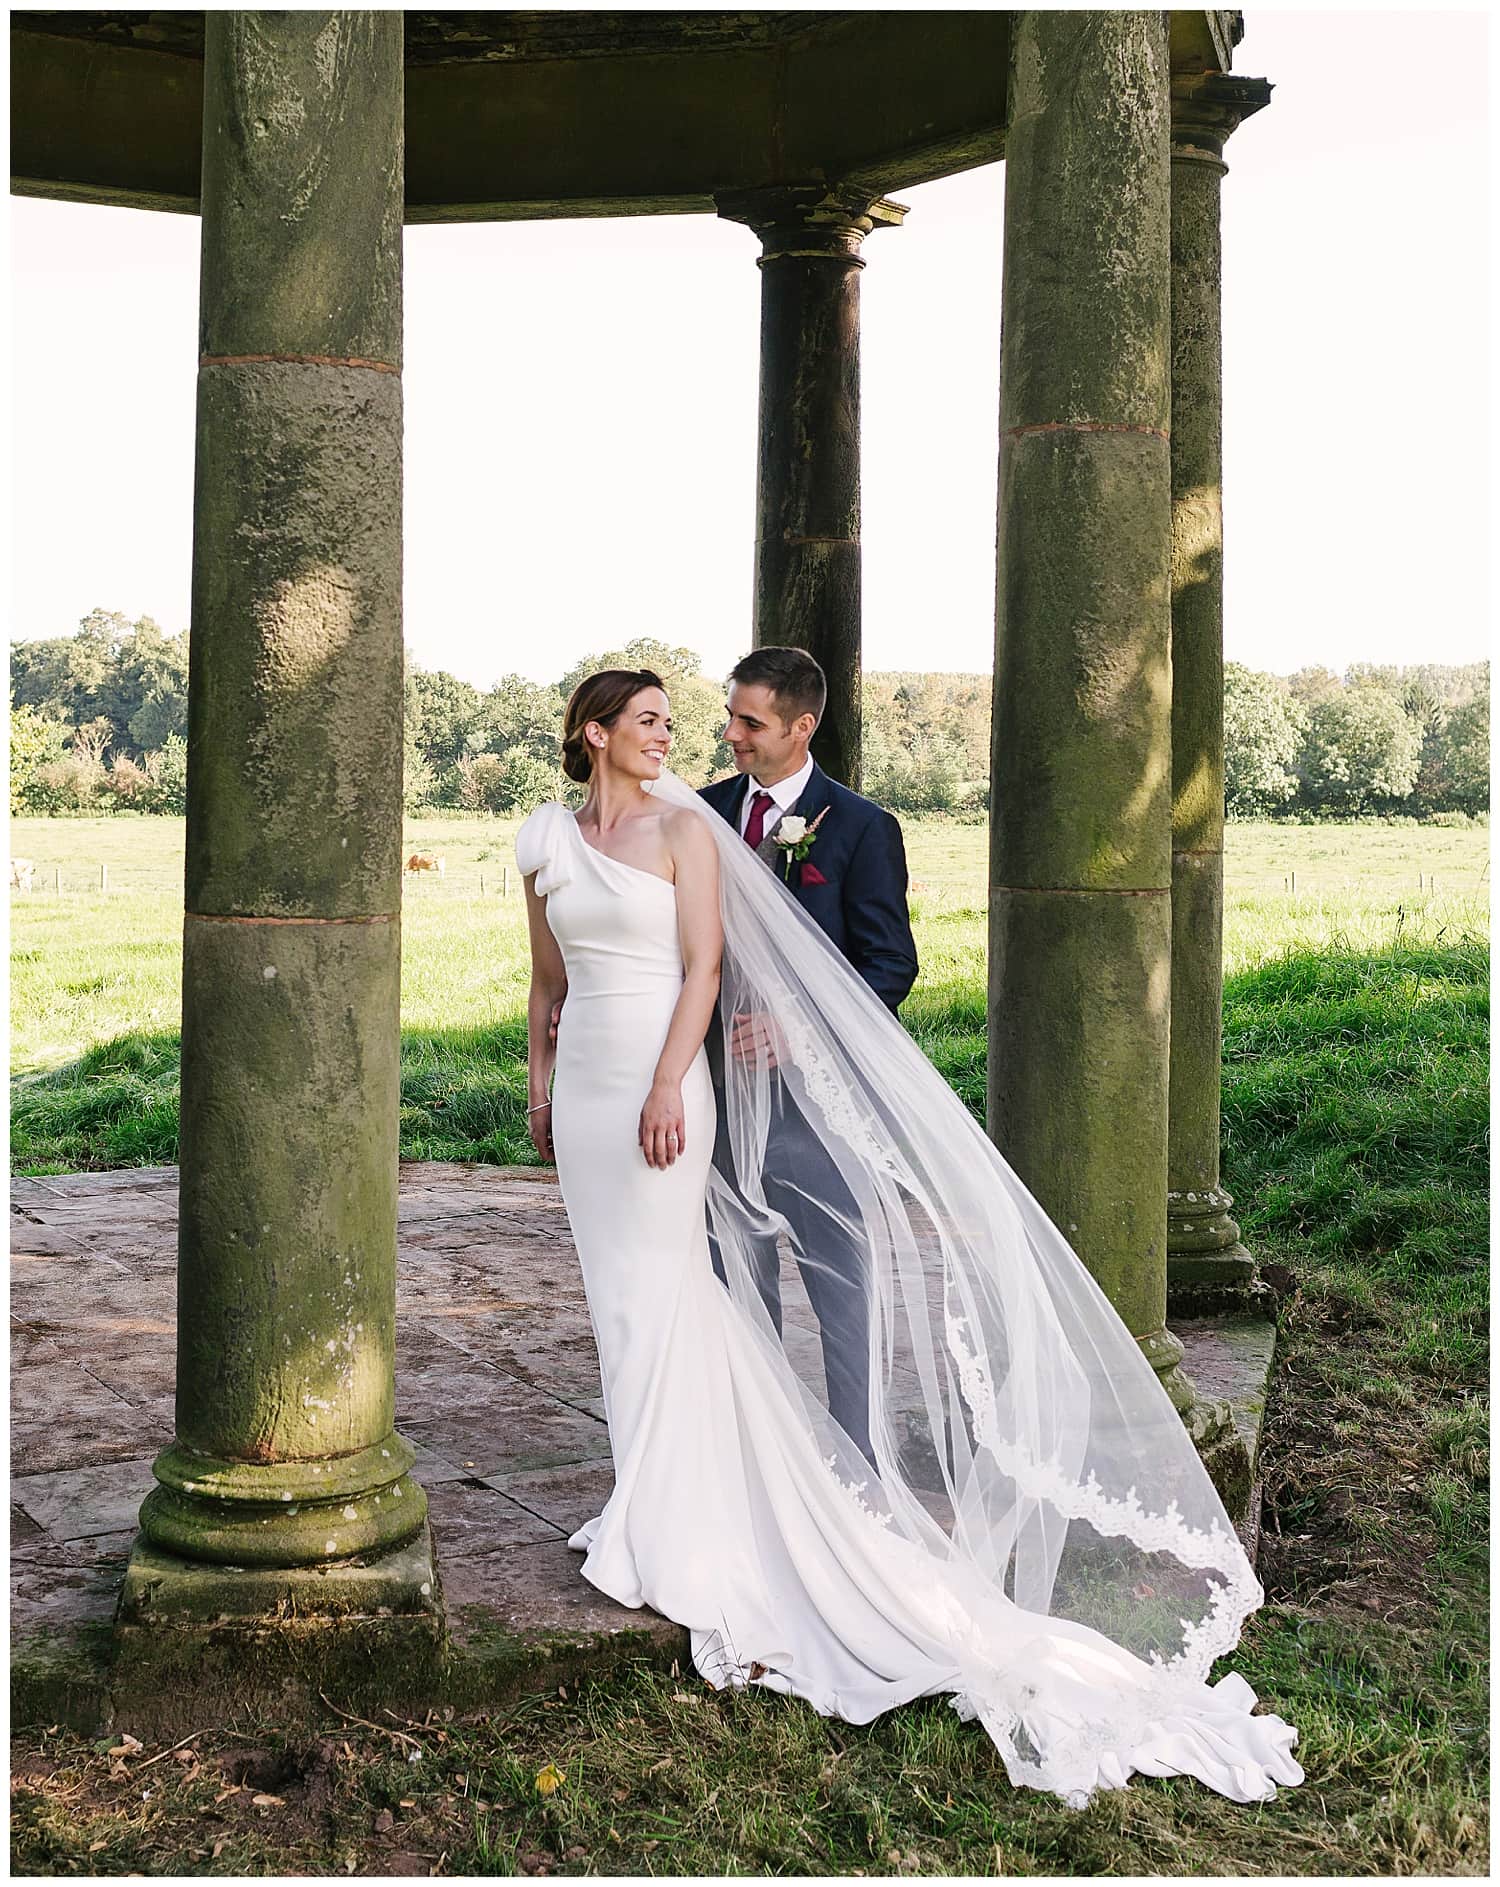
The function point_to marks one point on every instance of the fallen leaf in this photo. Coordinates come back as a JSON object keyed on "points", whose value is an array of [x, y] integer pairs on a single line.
{"points": [[184, 1755], [549, 1779], [656, 1768], [683, 1697], [758, 1670], [406, 1803], [219, 1847], [385, 1821], [224, 1794], [95, 1846], [267, 1801]]}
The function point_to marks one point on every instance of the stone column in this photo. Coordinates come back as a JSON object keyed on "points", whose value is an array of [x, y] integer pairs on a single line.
{"points": [[1080, 831], [1206, 1263], [807, 565], [286, 1457]]}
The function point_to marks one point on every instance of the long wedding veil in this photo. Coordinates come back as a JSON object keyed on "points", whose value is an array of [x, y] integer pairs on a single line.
{"points": [[1020, 1438]]}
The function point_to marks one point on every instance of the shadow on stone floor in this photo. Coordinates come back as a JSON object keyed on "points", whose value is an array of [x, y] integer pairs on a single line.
{"points": [[497, 1384]]}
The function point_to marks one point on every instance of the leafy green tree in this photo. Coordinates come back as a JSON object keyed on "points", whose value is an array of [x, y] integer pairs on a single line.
{"points": [[1311, 685], [440, 714], [519, 715], [131, 675], [36, 741], [1466, 745], [475, 783], [1263, 727], [527, 781], [166, 771], [928, 778], [419, 780], [1361, 752]]}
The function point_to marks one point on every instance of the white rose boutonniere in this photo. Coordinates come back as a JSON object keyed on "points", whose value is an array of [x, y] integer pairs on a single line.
{"points": [[796, 838]]}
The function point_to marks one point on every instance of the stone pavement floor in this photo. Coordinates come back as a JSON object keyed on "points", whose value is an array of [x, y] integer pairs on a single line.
{"points": [[497, 1385]]}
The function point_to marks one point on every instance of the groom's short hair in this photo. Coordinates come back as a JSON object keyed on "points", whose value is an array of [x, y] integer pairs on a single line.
{"points": [[793, 677]]}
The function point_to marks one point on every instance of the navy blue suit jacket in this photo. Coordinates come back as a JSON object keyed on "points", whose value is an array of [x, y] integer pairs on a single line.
{"points": [[862, 904]]}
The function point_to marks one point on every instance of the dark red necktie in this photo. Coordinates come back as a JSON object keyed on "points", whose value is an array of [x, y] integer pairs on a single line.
{"points": [[755, 831]]}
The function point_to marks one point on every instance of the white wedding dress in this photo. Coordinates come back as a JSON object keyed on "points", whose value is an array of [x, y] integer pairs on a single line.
{"points": [[738, 1509]]}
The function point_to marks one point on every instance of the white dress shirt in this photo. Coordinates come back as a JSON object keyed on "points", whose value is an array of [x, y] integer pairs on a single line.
{"points": [[785, 792]]}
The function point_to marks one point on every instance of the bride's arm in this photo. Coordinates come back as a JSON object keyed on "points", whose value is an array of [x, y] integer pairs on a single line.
{"points": [[695, 865], [549, 985]]}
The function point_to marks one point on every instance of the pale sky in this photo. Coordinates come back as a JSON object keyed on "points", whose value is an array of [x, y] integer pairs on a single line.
{"points": [[581, 398]]}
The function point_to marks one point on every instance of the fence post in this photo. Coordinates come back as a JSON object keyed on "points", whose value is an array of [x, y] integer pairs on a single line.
{"points": [[505, 881], [104, 878], [57, 879]]}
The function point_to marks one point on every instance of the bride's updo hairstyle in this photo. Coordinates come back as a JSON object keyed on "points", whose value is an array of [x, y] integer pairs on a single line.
{"points": [[602, 698]]}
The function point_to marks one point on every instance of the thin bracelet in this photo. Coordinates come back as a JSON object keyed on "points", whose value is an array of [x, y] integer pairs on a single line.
{"points": [[539, 1106]]}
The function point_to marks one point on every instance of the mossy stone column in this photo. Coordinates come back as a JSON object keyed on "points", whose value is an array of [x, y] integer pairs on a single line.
{"points": [[807, 560], [1206, 1263], [1080, 833], [286, 1455]]}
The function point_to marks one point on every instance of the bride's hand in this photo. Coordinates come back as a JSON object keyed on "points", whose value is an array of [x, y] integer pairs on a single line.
{"points": [[663, 1131], [540, 1124]]}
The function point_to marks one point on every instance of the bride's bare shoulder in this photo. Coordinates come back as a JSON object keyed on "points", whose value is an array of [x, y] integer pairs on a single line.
{"points": [[686, 833]]}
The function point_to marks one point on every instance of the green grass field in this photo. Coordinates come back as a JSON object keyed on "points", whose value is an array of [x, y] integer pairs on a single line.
{"points": [[1356, 1143], [95, 976]]}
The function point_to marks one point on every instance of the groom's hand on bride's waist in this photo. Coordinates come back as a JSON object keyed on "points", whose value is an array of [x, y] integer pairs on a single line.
{"points": [[754, 1037]]}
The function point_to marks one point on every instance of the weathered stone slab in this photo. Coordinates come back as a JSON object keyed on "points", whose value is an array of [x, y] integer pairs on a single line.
{"points": [[430, 1469], [512, 1432], [566, 1496], [77, 1503], [30, 1237], [65, 1418], [538, 1589], [473, 1519], [1230, 1358]]}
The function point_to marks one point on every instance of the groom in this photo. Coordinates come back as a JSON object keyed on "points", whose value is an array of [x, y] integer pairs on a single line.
{"points": [[852, 884]]}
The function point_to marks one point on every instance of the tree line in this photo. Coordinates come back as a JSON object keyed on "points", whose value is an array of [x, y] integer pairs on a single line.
{"points": [[99, 723]]}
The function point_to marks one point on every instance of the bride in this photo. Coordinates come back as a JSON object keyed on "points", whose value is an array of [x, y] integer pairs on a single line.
{"points": [[1037, 1537]]}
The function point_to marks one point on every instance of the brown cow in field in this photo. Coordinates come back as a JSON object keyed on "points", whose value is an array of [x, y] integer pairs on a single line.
{"points": [[425, 861]]}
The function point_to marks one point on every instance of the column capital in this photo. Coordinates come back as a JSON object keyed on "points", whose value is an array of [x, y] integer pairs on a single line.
{"points": [[1207, 107], [814, 219]]}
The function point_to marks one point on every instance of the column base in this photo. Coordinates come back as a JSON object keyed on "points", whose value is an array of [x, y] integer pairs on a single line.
{"points": [[164, 1589], [195, 1642], [282, 1514], [1207, 1266], [1209, 1420]]}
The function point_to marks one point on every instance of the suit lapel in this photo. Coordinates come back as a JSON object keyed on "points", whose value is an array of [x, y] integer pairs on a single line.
{"points": [[815, 795], [810, 802]]}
